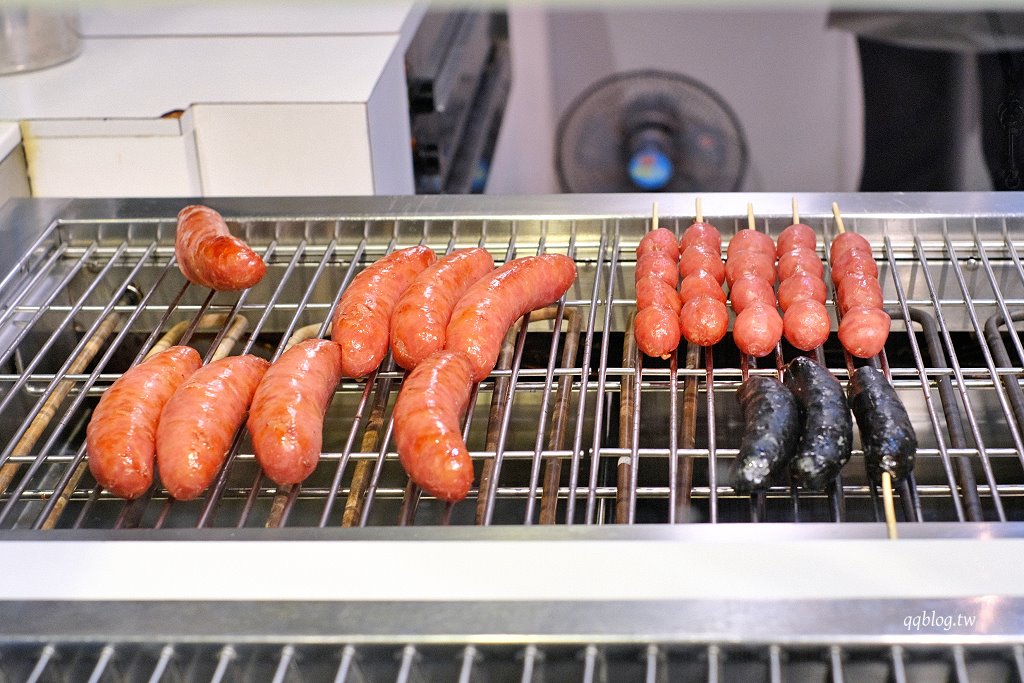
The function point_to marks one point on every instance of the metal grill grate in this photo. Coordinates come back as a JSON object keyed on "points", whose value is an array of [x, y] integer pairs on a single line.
{"points": [[573, 428]]}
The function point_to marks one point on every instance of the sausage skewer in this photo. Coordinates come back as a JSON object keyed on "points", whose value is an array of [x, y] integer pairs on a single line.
{"points": [[656, 326], [758, 326]]}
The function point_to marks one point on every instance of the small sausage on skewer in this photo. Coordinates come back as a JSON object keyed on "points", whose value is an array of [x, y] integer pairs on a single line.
{"points": [[703, 234], [700, 283], [699, 257], [751, 240], [757, 330], [853, 261], [750, 289], [704, 320], [771, 432], [845, 241], [657, 330], [800, 287], [659, 240], [751, 262], [886, 432], [806, 324], [826, 436], [651, 290], [863, 331], [800, 260], [660, 264], [796, 236], [858, 291]]}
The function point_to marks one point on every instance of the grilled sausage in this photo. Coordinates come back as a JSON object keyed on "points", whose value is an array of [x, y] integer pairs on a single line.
{"points": [[886, 433], [800, 287], [210, 256], [751, 240], [704, 320], [826, 434], [854, 261], [757, 330], [362, 321], [658, 240], [489, 307], [844, 242], [700, 283], [701, 233], [199, 422], [806, 324], [771, 431], [863, 331], [699, 257], [427, 433], [858, 291], [794, 236], [652, 290], [121, 436], [660, 264], [751, 262], [750, 289], [286, 420], [800, 260], [657, 330], [422, 313]]}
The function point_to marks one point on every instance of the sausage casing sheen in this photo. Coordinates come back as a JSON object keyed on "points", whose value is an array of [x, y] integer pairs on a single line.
{"points": [[421, 316], [489, 307], [121, 436], [771, 431], [826, 437], [427, 432], [886, 433], [657, 330], [210, 256], [362, 321]]}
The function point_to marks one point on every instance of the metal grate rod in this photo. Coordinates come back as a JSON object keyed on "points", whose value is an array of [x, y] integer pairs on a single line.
{"points": [[161, 665], [44, 660], [224, 659]]}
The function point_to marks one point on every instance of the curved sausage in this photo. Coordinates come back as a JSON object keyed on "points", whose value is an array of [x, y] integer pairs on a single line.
{"points": [[859, 291], [771, 424], [362, 321], [701, 283], [660, 264], [854, 261], [794, 236], [750, 289], [826, 436], [428, 436], [704, 321], [757, 330], [657, 330], [800, 287], [751, 240], [844, 242], [806, 324], [210, 256], [863, 331], [659, 240], [121, 436], [286, 420], [699, 257], [886, 433], [750, 263], [652, 290], [701, 233], [200, 420], [800, 260], [422, 313], [489, 307]]}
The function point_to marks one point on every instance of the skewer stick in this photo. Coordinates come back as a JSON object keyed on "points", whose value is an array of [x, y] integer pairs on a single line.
{"points": [[698, 212], [796, 212], [654, 215], [751, 225], [887, 501]]}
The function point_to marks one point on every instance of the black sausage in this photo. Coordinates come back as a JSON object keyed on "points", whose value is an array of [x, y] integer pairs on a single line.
{"points": [[886, 434], [827, 431], [770, 434]]}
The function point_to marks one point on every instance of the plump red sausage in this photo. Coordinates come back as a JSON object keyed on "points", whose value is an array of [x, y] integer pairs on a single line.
{"points": [[854, 261], [701, 233], [652, 290], [701, 283], [750, 289], [659, 240], [422, 313], [489, 307], [800, 287], [286, 420], [750, 262], [658, 263], [859, 291], [800, 260], [757, 330], [427, 433], [657, 332], [210, 256], [699, 257], [121, 436], [844, 242], [795, 236], [362, 321], [704, 320], [751, 240], [806, 324], [863, 331], [199, 422]]}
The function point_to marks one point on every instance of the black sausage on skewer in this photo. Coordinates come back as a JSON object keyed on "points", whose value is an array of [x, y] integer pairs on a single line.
{"points": [[827, 435], [886, 434], [770, 435]]}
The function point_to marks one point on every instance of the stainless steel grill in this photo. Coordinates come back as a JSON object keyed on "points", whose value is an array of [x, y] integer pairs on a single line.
{"points": [[575, 428]]}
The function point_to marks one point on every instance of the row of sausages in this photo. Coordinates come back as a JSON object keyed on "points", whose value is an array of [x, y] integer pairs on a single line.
{"points": [[443, 319]]}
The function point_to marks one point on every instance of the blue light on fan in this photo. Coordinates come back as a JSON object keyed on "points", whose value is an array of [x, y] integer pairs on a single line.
{"points": [[650, 168]]}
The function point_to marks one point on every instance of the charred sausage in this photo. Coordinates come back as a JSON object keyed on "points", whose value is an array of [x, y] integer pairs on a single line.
{"points": [[286, 420], [863, 331], [757, 330], [771, 429], [806, 324], [704, 321], [199, 422], [800, 287], [657, 330], [121, 436], [794, 236], [490, 306], [362, 321], [427, 433], [421, 316], [886, 433], [826, 434], [210, 256]]}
